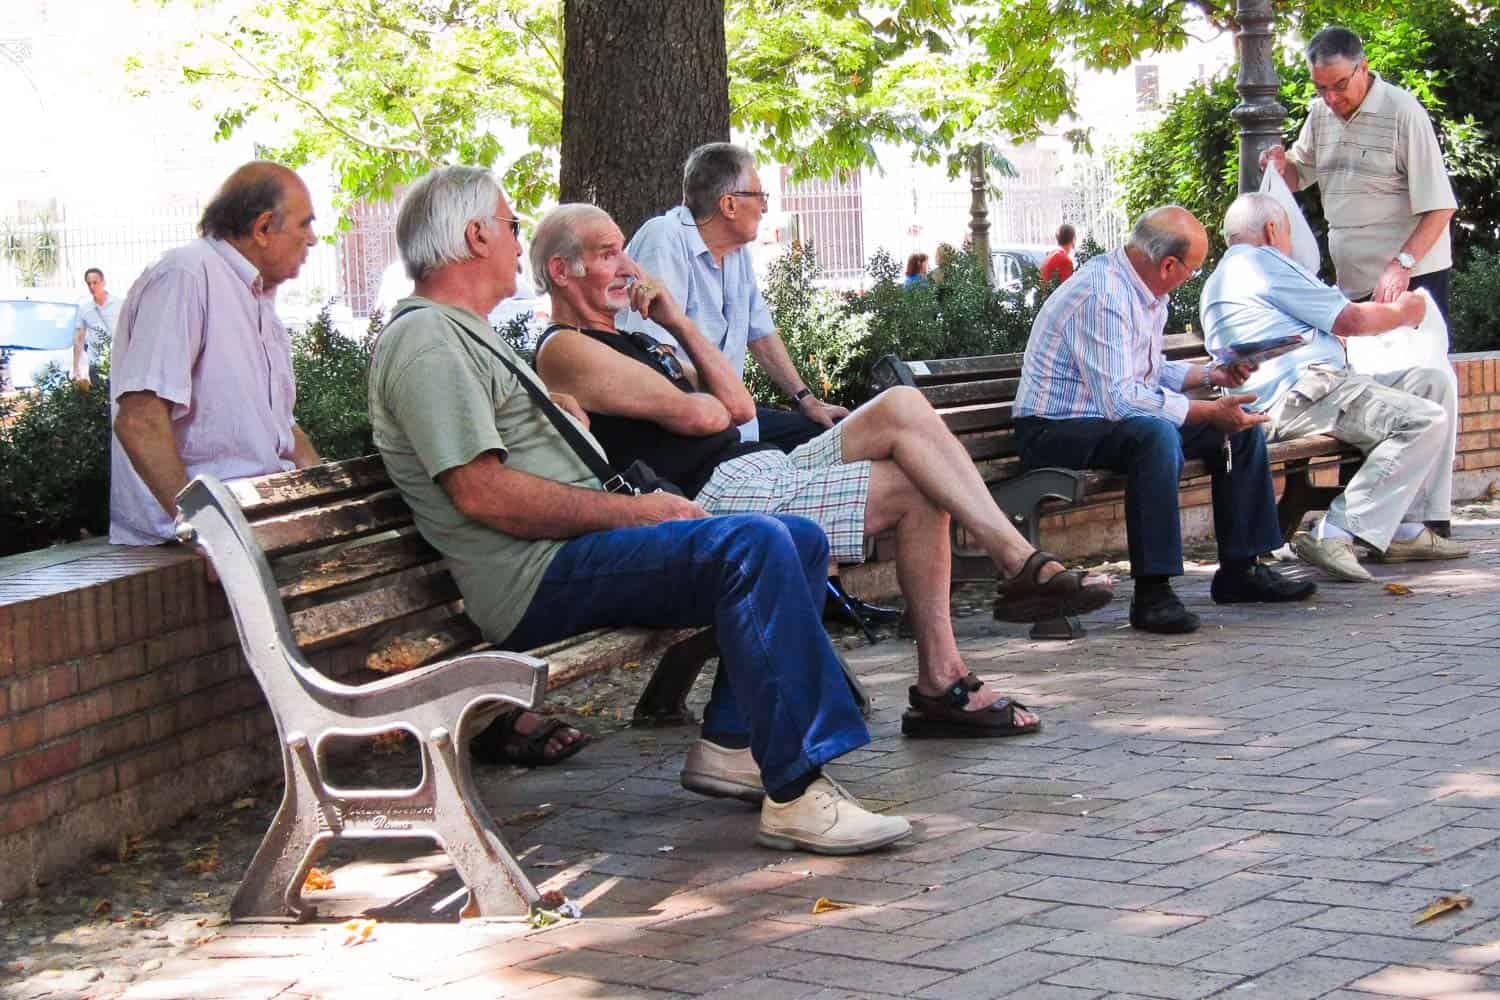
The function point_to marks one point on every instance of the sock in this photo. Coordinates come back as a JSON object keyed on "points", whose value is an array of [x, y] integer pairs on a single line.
{"points": [[1147, 585], [729, 741], [795, 788], [1235, 567], [1327, 529], [1407, 530]]}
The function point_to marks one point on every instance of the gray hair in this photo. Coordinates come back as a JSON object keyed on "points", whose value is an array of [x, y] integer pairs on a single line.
{"points": [[557, 236], [1333, 43], [1155, 242], [437, 211], [1245, 222], [712, 171]]}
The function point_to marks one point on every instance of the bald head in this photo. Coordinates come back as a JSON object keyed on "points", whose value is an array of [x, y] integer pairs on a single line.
{"points": [[253, 189], [1169, 231]]}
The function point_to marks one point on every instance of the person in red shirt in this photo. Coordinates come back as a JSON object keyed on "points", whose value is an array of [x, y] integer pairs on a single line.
{"points": [[1058, 266]]}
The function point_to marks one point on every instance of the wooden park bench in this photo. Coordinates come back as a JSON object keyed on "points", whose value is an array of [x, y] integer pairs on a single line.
{"points": [[974, 396], [321, 557]]}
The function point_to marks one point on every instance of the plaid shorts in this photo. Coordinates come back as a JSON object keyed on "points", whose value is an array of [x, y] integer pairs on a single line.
{"points": [[813, 481]]}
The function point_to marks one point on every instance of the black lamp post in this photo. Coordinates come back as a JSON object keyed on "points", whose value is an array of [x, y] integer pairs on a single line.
{"points": [[1259, 113]]}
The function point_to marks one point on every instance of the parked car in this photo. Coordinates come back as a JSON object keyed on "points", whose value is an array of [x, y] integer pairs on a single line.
{"points": [[36, 329], [1011, 264]]}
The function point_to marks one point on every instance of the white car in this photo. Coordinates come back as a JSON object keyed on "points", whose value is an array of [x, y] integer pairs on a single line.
{"points": [[36, 327]]}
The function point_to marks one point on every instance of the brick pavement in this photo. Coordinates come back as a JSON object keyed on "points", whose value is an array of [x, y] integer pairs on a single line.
{"points": [[1259, 809]]}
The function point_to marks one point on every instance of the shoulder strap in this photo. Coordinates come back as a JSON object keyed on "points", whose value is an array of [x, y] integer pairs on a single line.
{"points": [[612, 481]]}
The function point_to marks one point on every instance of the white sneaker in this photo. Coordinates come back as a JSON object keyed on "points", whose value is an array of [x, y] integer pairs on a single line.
{"points": [[723, 773], [825, 819], [1334, 556]]}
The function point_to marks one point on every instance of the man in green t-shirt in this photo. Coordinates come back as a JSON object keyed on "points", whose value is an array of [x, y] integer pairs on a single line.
{"points": [[541, 551]]}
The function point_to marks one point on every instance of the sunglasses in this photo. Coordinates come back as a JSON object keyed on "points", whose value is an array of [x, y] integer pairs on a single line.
{"points": [[515, 224], [664, 355]]}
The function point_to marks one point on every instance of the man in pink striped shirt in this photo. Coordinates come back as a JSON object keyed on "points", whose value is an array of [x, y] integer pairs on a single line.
{"points": [[201, 372]]}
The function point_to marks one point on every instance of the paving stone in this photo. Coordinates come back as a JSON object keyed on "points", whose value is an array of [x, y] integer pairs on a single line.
{"points": [[1379, 948], [1267, 951], [1148, 980], [1407, 981], [1307, 977], [1015, 974], [854, 973]]}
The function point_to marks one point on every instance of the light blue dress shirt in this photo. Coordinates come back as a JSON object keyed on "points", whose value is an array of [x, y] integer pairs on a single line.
{"points": [[724, 301], [1258, 292]]}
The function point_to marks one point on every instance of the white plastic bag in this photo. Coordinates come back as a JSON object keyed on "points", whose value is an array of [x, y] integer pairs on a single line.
{"points": [[1422, 346], [1304, 243]]}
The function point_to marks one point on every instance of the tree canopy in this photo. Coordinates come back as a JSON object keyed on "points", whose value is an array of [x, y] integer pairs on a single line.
{"points": [[384, 89]]}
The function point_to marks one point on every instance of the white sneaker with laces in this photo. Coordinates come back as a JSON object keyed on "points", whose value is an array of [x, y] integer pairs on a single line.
{"points": [[1334, 556], [722, 773], [825, 819]]}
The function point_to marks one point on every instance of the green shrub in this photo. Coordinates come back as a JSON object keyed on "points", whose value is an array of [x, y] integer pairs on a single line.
{"points": [[54, 462], [835, 340], [1474, 324], [332, 373]]}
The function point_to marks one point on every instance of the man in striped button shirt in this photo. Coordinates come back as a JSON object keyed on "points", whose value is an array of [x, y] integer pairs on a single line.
{"points": [[1096, 392]]}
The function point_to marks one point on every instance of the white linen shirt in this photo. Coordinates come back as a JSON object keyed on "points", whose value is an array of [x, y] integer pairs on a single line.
{"points": [[200, 332], [724, 301], [1096, 350]]}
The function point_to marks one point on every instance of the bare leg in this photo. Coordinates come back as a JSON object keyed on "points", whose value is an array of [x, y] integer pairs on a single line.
{"points": [[901, 427], [924, 570]]}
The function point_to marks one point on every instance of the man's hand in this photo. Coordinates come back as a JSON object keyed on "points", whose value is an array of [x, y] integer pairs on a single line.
{"points": [[1413, 308], [1230, 416], [1230, 376], [569, 405], [1275, 155], [654, 300], [821, 413], [661, 506], [1393, 281]]}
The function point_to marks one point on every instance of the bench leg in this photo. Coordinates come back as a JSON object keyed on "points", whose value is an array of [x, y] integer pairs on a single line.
{"points": [[664, 701], [1068, 627], [272, 886], [498, 886], [1301, 496]]}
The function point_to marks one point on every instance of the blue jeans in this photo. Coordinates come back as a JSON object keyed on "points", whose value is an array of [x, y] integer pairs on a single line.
{"points": [[1150, 453], [760, 580]]}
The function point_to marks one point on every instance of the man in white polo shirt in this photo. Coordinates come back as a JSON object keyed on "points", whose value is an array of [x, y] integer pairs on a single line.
{"points": [[1372, 151], [98, 315]]}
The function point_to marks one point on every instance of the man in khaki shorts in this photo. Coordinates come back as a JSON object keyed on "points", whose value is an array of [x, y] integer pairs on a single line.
{"points": [[891, 464]]}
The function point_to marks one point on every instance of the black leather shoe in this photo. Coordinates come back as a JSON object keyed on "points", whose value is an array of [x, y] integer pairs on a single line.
{"points": [[1160, 611], [1259, 585]]}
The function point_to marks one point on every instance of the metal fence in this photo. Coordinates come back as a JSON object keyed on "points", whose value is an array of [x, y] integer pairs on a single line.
{"points": [[830, 216]]}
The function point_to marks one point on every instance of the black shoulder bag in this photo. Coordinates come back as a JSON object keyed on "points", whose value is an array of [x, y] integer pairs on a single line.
{"points": [[633, 480]]}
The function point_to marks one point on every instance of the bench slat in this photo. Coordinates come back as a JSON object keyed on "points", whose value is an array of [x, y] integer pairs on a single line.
{"points": [[418, 647], [1177, 346], [307, 487], [340, 521], [343, 619], [970, 393], [319, 570]]}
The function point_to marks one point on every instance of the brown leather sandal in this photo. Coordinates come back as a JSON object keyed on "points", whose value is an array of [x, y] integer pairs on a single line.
{"points": [[1025, 598], [943, 716]]}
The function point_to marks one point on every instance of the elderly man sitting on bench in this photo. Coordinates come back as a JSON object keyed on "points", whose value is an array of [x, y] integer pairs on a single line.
{"points": [[891, 464], [540, 550]]}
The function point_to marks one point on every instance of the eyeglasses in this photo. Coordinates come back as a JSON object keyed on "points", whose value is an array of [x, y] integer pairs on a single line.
{"points": [[1192, 274], [515, 224], [1341, 86], [665, 355], [765, 198]]}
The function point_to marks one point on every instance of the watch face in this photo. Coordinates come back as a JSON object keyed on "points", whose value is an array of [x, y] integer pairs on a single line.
{"points": [[1406, 260]]}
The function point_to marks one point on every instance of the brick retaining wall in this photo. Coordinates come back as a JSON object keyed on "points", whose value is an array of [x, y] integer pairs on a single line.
{"points": [[125, 703]]}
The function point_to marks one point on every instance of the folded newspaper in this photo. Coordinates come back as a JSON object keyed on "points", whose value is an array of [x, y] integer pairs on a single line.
{"points": [[1254, 352]]}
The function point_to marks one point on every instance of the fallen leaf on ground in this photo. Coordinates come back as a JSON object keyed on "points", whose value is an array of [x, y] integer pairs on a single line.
{"points": [[248, 802], [1399, 589], [100, 908], [317, 881], [520, 817], [1442, 905], [825, 905], [551, 899], [1425, 848], [358, 931], [202, 866]]}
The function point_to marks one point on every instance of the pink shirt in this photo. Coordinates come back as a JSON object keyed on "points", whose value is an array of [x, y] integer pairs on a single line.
{"points": [[199, 331]]}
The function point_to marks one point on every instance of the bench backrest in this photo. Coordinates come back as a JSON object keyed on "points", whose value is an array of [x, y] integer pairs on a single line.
{"points": [[974, 396], [349, 564]]}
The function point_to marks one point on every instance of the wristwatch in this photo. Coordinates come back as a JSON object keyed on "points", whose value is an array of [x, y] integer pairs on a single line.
{"points": [[802, 394], [1406, 260]]}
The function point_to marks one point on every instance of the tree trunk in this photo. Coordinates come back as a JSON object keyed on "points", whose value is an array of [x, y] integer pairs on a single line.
{"points": [[644, 82]]}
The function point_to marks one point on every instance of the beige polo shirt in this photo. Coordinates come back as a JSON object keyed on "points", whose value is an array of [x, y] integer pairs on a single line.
{"points": [[1377, 172]]}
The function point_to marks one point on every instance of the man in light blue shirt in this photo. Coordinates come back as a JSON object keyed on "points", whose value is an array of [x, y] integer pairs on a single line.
{"points": [[1096, 392], [698, 250], [98, 316], [1402, 421]]}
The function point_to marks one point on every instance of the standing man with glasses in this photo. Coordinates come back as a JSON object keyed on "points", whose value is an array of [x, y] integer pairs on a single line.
{"points": [[1371, 149], [698, 250], [1097, 393]]}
